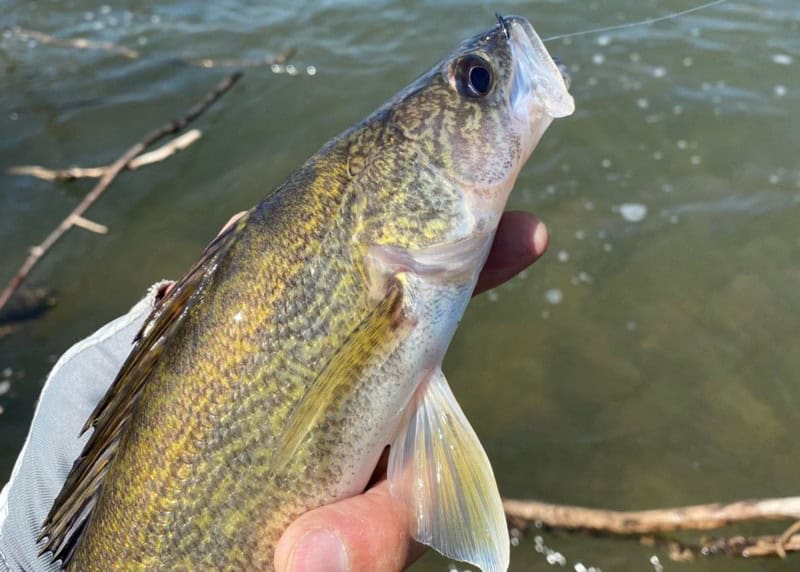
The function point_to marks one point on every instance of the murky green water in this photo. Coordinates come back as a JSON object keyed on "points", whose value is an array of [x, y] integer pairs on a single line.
{"points": [[649, 360]]}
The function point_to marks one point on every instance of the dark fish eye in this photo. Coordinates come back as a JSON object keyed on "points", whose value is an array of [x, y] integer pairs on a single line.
{"points": [[474, 77]]}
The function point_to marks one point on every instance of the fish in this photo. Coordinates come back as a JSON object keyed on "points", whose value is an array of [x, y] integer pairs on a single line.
{"points": [[309, 336]]}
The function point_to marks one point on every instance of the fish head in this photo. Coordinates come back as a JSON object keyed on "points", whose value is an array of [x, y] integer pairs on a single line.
{"points": [[477, 115]]}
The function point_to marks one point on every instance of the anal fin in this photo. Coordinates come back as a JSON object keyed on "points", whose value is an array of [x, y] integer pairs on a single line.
{"points": [[438, 467]]}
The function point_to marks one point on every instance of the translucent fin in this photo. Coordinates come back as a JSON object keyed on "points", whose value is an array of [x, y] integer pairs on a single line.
{"points": [[72, 509], [374, 337], [440, 470]]}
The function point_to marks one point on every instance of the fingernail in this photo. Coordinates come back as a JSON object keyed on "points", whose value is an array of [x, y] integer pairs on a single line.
{"points": [[540, 238], [319, 551]]}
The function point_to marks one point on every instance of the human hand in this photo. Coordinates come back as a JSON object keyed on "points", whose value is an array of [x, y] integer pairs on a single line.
{"points": [[370, 531]]}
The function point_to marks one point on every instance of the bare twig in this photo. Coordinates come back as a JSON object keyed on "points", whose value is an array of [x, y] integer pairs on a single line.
{"points": [[180, 143], [698, 517], [279, 58], [647, 522], [37, 252], [87, 44], [81, 43], [736, 546]]}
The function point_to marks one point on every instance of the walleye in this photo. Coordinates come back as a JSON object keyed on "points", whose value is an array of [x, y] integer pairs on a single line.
{"points": [[310, 335]]}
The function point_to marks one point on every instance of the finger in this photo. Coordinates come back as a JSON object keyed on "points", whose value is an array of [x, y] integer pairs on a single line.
{"points": [[520, 240], [365, 532]]}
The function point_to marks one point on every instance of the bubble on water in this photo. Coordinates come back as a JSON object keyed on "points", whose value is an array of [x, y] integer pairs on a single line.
{"points": [[155, 19], [605, 163], [88, 16], [667, 188], [642, 103], [631, 326], [633, 212], [674, 219], [492, 296], [635, 57], [656, 563], [608, 247], [556, 558], [311, 70], [696, 160], [13, 116], [588, 205], [658, 155], [562, 256], [584, 278], [677, 110], [579, 567], [142, 41], [598, 58], [105, 9], [550, 189], [291, 69], [580, 234], [98, 25], [687, 62], [514, 541], [681, 144], [554, 296], [276, 68], [659, 71], [780, 90], [782, 59], [774, 178], [5, 386], [603, 40], [592, 81]]}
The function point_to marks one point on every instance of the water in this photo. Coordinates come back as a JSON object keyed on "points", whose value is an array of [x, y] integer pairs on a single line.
{"points": [[649, 360]]}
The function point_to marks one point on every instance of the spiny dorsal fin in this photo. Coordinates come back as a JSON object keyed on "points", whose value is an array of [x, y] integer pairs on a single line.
{"points": [[72, 509]]}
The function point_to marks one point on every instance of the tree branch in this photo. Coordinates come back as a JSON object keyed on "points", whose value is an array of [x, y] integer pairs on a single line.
{"points": [[110, 173], [647, 522], [180, 143]]}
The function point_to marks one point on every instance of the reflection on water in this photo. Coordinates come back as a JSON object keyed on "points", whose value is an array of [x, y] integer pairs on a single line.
{"points": [[649, 360]]}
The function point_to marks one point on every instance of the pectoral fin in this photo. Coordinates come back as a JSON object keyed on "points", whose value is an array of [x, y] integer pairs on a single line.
{"points": [[439, 469], [372, 338]]}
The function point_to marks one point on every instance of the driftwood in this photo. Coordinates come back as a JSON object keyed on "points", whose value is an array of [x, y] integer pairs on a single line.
{"points": [[167, 150], [646, 523], [86, 44], [80, 43], [76, 218]]}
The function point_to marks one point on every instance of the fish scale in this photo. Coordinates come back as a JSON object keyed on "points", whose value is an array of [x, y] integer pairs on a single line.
{"points": [[310, 335]]}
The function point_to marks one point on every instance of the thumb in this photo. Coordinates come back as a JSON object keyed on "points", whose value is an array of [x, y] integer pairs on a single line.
{"points": [[365, 532]]}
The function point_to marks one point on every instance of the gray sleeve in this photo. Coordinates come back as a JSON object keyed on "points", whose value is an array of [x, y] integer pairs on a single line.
{"points": [[73, 388]]}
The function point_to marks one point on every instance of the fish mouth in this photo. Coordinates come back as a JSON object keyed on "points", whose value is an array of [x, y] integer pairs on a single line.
{"points": [[540, 83]]}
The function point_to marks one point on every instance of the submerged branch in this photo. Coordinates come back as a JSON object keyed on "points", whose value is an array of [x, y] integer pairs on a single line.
{"points": [[80, 43], [86, 44], [76, 217], [522, 513], [167, 150]]}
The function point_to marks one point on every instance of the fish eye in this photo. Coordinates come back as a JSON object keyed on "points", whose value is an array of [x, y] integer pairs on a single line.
{"points": [[474, 77]]}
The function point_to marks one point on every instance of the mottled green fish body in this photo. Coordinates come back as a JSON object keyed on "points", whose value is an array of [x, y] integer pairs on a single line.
{"points": [[310, 336]]}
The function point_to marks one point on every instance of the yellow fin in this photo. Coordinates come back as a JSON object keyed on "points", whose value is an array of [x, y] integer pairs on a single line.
{"points": [[439, 469], [374, 337]]}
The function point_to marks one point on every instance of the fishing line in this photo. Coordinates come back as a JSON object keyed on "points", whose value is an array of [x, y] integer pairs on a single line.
{"points": [[648, 22]]}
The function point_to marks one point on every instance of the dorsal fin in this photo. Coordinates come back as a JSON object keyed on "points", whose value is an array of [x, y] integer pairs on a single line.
{"points": [[72, 509]]}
